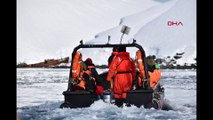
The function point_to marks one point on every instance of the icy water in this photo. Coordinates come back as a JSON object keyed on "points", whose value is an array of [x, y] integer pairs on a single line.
{"points": [[39, 95]]}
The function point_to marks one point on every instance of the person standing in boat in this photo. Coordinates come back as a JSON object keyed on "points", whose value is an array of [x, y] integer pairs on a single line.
{"points": [[122, 72]]}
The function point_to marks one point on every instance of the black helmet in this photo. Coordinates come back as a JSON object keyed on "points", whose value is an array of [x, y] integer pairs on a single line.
{"points": [[115, 49], [151, 57], [121, 49], [150, 60]]}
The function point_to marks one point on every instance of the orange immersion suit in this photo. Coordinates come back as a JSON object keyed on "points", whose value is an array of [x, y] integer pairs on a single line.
{"points": [[123, 71], [154, 77]]}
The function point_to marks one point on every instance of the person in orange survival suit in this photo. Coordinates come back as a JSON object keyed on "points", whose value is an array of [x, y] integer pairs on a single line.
{"points": [[87, 79], [112, 56], [100, 85], [123, 71], [153, 71]]}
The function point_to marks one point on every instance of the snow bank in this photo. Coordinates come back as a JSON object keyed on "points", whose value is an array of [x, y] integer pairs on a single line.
{"points": [[150, 28], [162, 40], [52, 28]]}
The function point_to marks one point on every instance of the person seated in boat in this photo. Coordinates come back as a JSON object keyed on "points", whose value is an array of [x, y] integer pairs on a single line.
{"points": [[81, 79], [100, 84], [88, 78], [153, 70]]}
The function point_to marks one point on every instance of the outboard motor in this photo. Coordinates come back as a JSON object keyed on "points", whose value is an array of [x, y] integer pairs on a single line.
{"points": [[158, 99], [157, 104], [107, 96]]}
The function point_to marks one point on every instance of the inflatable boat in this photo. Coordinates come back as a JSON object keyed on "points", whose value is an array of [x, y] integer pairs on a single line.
{"points": [[140, 96]]}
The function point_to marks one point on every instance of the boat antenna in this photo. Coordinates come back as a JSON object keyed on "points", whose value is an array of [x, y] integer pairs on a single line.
{"points": [[108, 39], [125, 30], [81, 42]]}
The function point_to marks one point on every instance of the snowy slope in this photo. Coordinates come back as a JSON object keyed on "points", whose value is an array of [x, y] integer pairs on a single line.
{"points": [[162, 40], [52, 28], [150, 29]]}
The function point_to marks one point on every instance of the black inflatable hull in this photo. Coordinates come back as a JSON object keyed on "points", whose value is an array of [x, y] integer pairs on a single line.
{"points": [[134, 97], [139, 97], [77, 99]]}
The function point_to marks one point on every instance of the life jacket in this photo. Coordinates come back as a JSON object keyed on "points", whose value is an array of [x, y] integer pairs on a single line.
{"points": [[99, 89], [82, 82], [118, 68], [76, 70], [154, 77], [141, 67], [76, 65], [123, 71]]}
